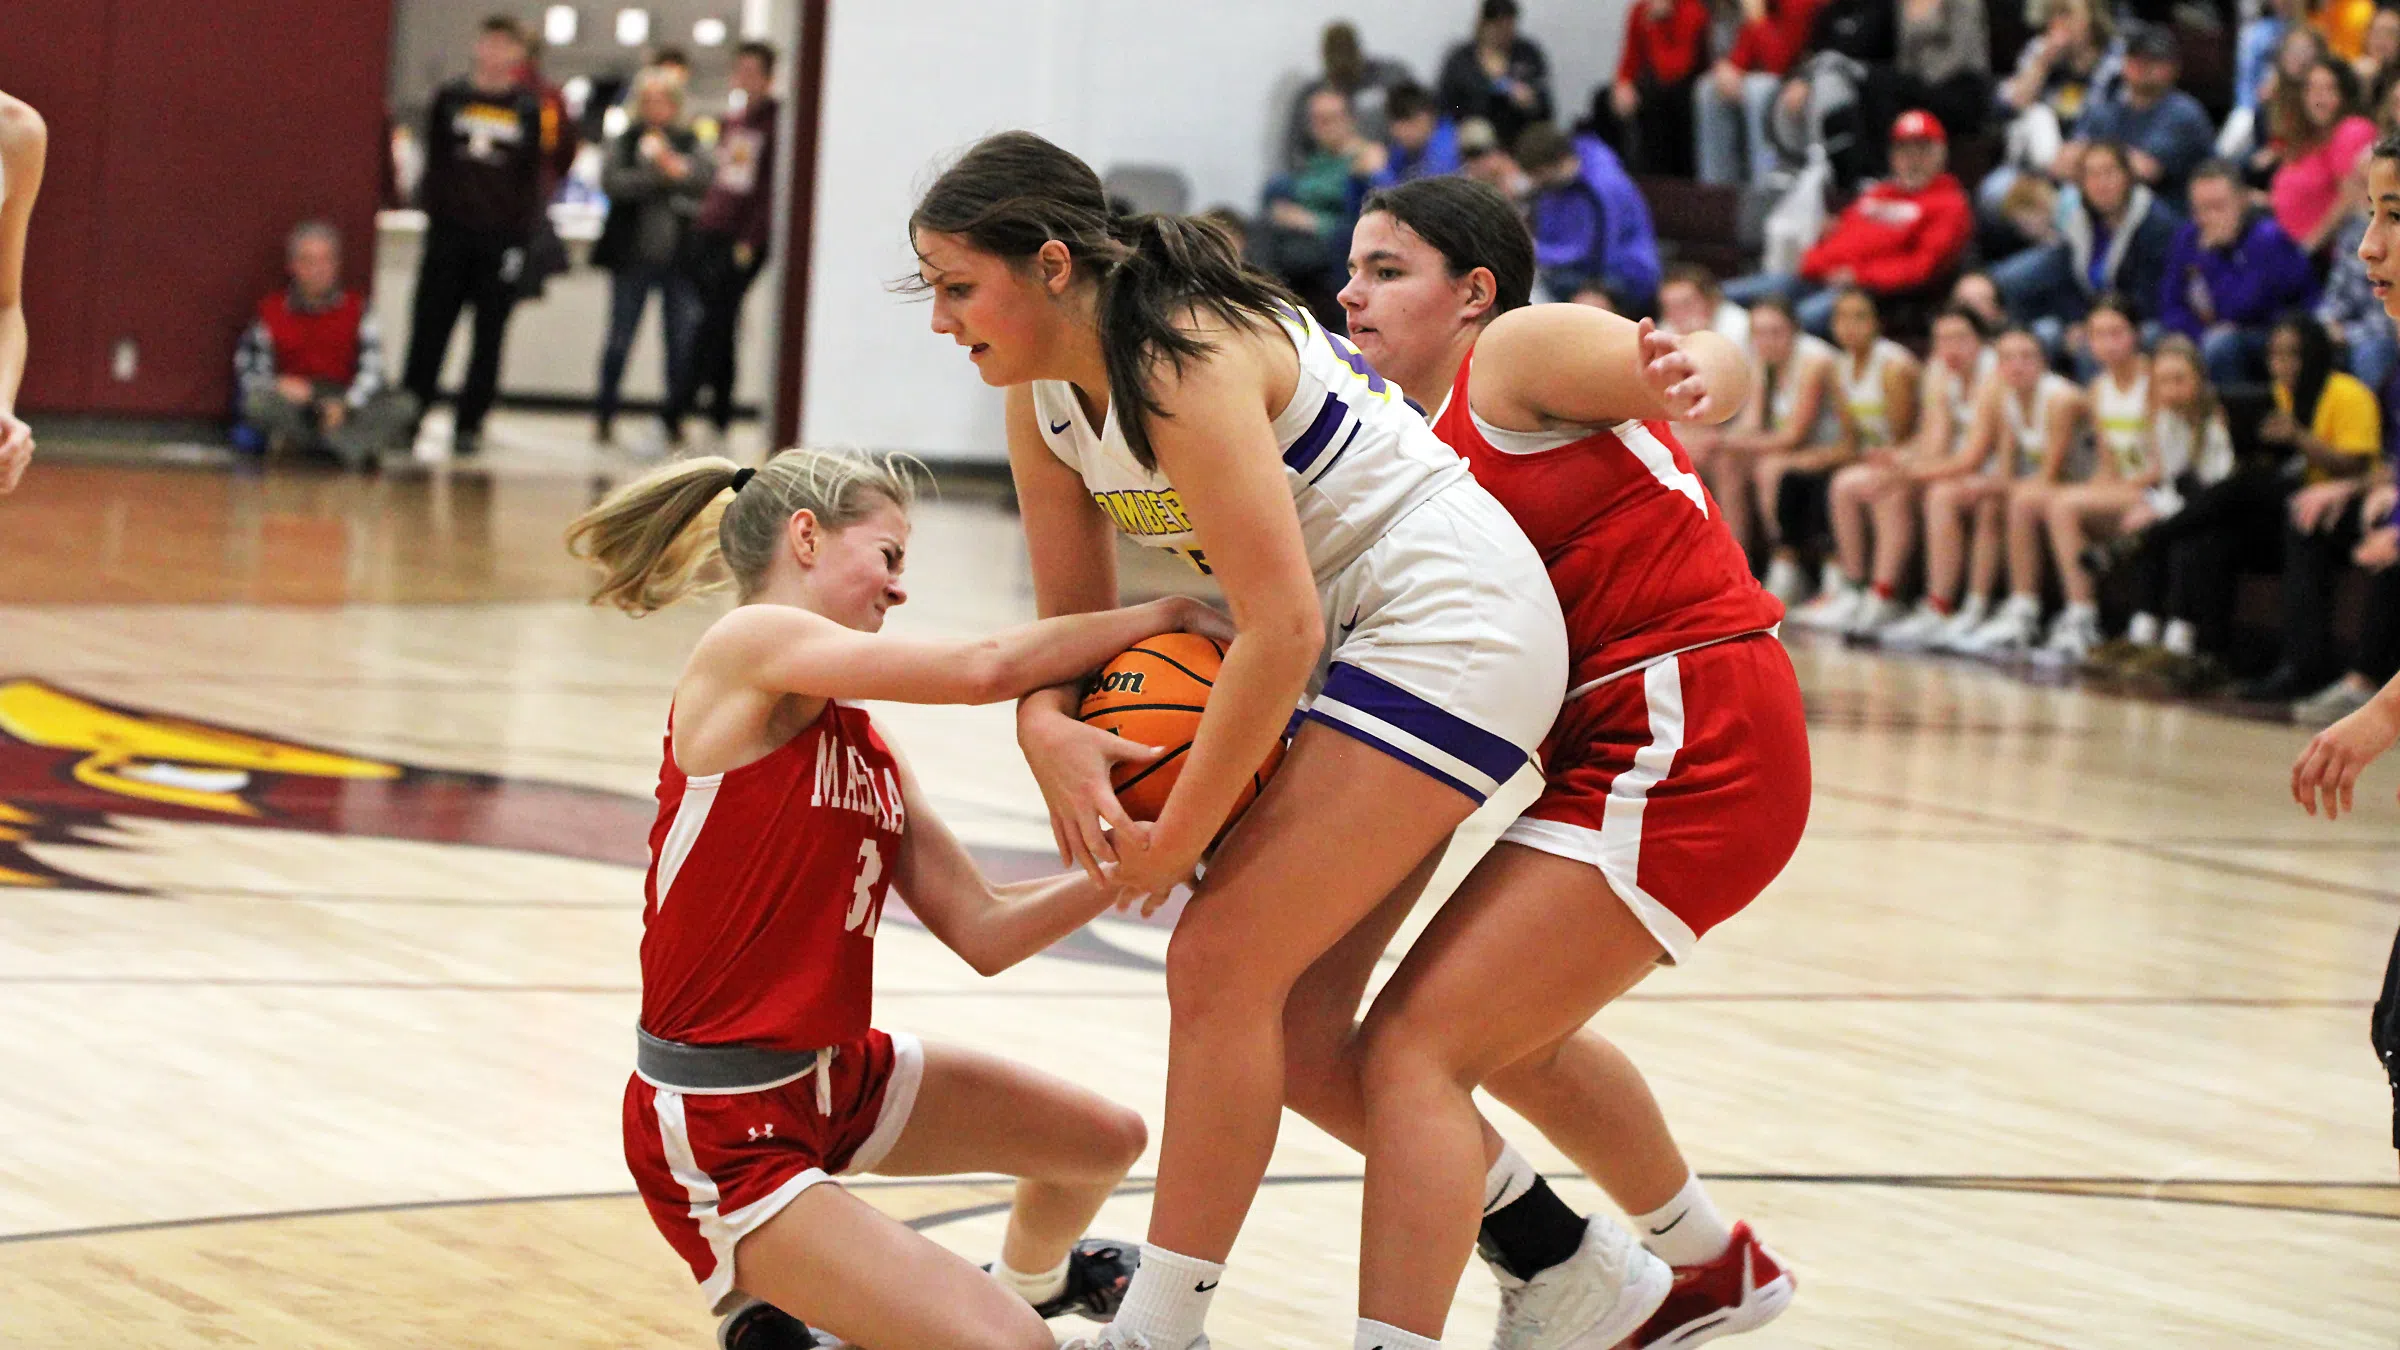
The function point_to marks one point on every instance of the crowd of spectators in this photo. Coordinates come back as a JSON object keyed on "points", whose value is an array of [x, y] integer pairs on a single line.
{"points": [[2131, 359], [689, 209]]}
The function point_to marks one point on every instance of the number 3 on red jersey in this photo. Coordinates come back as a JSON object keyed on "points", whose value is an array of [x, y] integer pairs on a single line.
{"points": [[866, 907]]}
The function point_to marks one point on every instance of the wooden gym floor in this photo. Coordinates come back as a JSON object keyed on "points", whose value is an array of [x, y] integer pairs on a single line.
{"points": [[2054, 1034]]}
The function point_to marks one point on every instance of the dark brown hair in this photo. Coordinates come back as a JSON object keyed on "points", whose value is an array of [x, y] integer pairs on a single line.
{"points": [[1014, 192], [761, 52], [1471, 224]]}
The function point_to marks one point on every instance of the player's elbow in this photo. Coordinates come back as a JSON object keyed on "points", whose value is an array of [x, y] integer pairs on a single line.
{"points": [[1292, 637]]}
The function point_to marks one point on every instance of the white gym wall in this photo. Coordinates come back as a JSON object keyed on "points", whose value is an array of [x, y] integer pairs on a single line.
{"points": [[1201, 85]]}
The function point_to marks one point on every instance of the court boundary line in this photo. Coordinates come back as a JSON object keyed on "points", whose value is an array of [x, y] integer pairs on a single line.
{"points": [[1134, 1186]]}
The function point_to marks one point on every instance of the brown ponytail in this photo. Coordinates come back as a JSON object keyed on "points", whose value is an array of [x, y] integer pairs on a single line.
{"points": [[1014, 192], [657, 537]]}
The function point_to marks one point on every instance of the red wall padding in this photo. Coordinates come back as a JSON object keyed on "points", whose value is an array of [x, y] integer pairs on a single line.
{"points": [[185, 142]]}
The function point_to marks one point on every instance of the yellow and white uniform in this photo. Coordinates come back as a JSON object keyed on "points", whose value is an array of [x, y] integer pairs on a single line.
{"points": [[1863, 392], [1444, 645], [2121, 416]]}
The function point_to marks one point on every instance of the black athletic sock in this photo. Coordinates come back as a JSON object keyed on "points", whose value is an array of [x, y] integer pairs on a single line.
{"points": [[1533, 1232]]}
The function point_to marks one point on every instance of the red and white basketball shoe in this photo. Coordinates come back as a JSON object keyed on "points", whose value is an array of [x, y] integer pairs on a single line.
{"points": [[1742, 1290]]}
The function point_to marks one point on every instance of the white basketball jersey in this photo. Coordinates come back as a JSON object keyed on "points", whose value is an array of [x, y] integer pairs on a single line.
{"points": [[2121, 416], [1356, 455], [1863, 392]]}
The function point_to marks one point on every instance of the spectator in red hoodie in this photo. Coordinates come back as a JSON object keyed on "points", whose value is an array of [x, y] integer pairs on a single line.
{"points": [[1646, 114], [1731, 104], [311, 365], [1904, 234]]}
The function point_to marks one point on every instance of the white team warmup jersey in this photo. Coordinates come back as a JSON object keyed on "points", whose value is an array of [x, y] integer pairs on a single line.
{"points": [[1444, 646]]}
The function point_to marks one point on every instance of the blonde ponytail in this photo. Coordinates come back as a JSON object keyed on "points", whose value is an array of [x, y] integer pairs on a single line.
{"points": [[656, 538]]}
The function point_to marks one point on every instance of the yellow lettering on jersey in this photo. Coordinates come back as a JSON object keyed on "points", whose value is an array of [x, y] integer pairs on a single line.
{"points": [[1143, 513]]}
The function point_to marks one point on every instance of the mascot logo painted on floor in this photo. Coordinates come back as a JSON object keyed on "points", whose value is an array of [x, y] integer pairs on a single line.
{"points": [[68, 763]]}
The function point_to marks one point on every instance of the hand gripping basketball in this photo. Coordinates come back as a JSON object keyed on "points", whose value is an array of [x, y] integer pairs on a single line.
{"points": [[1154, 694]]}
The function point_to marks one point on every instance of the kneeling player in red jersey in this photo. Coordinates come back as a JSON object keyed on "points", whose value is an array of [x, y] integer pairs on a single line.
{"points": [[784, 822]]}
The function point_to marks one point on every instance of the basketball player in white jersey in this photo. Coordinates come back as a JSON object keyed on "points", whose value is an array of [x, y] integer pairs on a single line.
{"points": [[1158, 388], [23, 143]]}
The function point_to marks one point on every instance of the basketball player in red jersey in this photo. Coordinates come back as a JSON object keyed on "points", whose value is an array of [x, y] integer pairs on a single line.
{"points": [[784, 823], [23, 140], [1678, 780]]}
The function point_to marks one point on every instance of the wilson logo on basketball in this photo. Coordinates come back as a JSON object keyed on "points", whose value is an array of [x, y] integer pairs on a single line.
{"points": [[1120, 682]]}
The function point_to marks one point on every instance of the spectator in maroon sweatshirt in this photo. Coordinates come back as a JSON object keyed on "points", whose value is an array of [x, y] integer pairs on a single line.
{"points": [[731, 236], [1646, 113], [1731, 104], [310, 366]]}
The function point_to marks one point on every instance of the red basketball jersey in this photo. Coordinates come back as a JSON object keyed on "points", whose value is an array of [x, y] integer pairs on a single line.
{"points": [[1636, 547], [766, 884]]}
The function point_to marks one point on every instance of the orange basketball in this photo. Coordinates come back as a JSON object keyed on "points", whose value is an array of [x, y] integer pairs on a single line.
{"points": [[1154, 693]]}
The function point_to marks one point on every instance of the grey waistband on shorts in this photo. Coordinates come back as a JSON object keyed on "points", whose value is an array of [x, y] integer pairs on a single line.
{"points": [[716, 1068]]}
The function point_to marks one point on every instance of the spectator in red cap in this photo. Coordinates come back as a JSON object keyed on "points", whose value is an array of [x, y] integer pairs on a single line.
{"points": [[1903, 234]]}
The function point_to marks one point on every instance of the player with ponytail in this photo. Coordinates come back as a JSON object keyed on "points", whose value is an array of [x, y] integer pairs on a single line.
{"points": [[785, 823]]}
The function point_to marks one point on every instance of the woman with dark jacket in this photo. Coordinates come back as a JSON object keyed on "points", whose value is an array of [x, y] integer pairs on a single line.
{"points": [[655, 175], [2115, 236]]}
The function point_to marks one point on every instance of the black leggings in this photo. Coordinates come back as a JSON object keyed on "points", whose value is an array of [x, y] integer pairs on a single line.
{"points": [[2384, 1032], [2189, 564], [1804, 509]]}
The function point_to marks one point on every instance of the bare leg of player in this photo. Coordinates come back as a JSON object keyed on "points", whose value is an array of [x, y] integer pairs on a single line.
{"points": [[1767, 480], [1068, 1148], [2028, 508], [1945, 539], [1242, 946], [2073, 511], [1547, 929], [1728, 476], [840, 1265], [1591, 1101], [1991, 539], [1895, 514], [1852, 488]]}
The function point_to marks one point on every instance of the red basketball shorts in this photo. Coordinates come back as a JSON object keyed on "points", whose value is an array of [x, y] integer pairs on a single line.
{"points": [[1685, 782], [714, 1167]]}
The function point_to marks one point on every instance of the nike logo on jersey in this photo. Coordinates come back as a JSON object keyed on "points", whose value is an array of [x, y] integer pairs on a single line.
{"points": [[1058, 427], [1204, 1288], [1662, 1232], [1350, 625]]}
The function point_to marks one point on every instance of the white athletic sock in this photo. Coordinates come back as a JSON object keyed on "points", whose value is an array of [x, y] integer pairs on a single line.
{"points": [[1687, 1230], [2178, 638], [1034, 1289], [1383, 1336], [2082, 613], [2022, 603], [1508, 1179], [1169, 1297], [2142, 630]]}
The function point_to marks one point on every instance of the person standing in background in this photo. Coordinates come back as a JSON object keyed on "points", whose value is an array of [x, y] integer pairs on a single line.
{"points": [[655, 176], [480, 194], [1497, 75], [24, 141], [731, 237]]}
